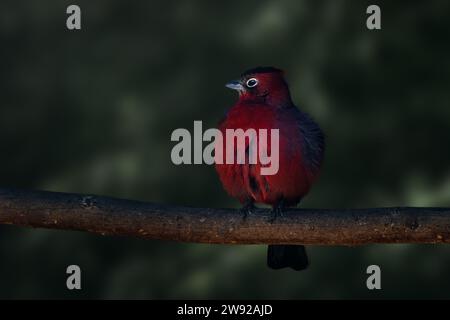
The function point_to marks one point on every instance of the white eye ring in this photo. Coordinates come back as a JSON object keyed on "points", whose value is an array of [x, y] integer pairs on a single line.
{"points": [[252, 82]]}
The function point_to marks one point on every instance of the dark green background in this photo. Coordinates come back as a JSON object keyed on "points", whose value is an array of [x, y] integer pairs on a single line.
{"points": [[92, 111]]}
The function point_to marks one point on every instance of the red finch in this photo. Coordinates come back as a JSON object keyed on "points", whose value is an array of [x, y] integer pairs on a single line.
{"points": [[265, 103]]}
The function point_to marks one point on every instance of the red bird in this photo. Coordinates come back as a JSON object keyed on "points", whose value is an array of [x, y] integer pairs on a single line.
{"points": [[265, 103]]}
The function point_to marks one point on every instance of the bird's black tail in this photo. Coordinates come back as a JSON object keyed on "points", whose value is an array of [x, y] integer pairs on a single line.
{"points": [[283, 256]]}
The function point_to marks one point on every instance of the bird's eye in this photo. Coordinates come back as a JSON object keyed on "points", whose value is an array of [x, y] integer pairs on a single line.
{"points": [[252, 82]]}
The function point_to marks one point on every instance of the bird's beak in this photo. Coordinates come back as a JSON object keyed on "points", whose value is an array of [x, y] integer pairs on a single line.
{"points": [[235, 85]]}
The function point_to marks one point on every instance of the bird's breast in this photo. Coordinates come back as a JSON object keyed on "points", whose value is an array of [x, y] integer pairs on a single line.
{"points": [[291, 181]]}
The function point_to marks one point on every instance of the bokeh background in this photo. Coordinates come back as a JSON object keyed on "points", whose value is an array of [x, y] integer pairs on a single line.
{"points": [[92, 111]]}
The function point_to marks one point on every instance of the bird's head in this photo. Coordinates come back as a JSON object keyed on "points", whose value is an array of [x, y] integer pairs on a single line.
{"points": [[263, 84]]}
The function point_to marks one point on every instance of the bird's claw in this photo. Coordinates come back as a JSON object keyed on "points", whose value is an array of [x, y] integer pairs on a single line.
{"points": [[277, 212], [246, 211]]}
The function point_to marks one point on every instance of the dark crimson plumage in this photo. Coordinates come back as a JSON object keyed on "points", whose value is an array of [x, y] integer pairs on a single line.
{"points": [[265, 103]]}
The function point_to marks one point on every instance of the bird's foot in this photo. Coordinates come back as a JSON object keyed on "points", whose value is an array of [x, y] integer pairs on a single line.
{"points": [[246, 210], [277, 212]]}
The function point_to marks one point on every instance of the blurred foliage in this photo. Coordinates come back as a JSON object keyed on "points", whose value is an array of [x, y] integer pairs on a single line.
{"points": [[92, 111]]}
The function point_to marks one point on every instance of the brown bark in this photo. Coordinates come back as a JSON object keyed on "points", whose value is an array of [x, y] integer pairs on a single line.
{"points": [[108, 216]]}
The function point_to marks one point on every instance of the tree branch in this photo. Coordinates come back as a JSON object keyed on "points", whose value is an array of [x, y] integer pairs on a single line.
{"points": [[108, 216]]}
